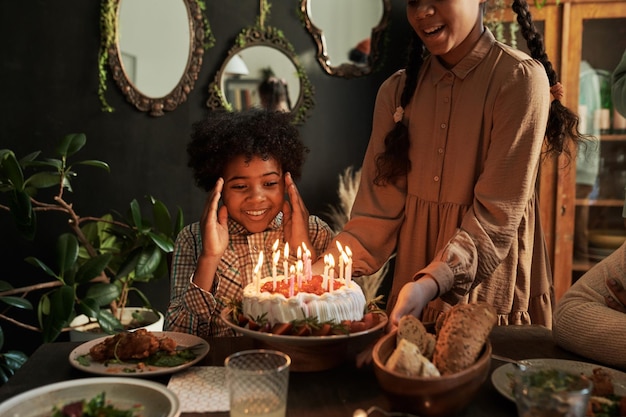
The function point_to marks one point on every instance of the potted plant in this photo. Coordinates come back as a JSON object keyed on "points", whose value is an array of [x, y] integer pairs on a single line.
{"points": [[99, 260]]}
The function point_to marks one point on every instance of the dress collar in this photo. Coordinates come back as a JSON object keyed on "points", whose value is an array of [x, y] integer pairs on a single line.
{"points": [[469, 61]]}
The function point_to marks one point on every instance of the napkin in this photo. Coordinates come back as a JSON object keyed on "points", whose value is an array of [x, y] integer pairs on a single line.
{"points": [[201, 389]]}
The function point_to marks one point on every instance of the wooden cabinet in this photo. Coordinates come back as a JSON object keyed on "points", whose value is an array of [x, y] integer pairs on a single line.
{"points": [[593, 39], [577, 34]]}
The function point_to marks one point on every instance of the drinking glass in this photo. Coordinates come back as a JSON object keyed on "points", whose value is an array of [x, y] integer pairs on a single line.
{"points": [[258, 382], [543, 391]]}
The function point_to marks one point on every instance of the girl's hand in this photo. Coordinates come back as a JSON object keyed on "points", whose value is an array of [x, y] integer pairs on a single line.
{"points": [[296, 218], [618, 301], [412, 299], [214, 224]]}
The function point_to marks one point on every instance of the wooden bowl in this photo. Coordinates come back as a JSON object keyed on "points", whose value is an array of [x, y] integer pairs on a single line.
{"points": [[428, 396]]}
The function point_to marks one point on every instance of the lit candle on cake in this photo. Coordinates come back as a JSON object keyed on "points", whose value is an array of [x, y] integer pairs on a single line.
{"points": [[331, 272], [307, 262], [340, 259], [275, 259], [299, 267], [291, 281], [257, 273], [348, 253], [285, 261], [325, 275]]}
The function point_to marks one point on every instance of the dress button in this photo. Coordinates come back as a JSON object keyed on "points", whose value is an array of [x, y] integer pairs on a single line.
{"points": [[436, 178], [440, 150], [255, 248], [443, 125]]}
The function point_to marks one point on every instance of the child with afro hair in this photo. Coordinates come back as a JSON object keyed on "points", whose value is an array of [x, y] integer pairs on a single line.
{"points": [[248, 160]]}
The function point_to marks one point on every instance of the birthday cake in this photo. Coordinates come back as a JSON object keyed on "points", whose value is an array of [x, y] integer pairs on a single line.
{"points": [[283, 300]]}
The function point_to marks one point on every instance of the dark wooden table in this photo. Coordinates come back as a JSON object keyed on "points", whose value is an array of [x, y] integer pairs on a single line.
{"points": [[336, 392]]}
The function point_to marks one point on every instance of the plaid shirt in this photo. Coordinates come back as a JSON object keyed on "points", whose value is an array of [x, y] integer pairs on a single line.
{"points": [[196, 311]]}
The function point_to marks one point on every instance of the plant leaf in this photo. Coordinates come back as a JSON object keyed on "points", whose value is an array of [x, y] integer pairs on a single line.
{"points": [[18, 302], [36, 262], [108, 322], [60, 303], [94, 163], [44, 180], [162, 218], [89, 307], [101, 294], [135, 212], [148, 263], [23, 214], [15, 359], [67, 252], [10, 169], [166, 244], [92, 268], [71, 144]]}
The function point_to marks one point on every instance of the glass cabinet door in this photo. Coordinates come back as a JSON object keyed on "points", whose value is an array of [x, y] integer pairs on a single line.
{"points": [[595, 47]]}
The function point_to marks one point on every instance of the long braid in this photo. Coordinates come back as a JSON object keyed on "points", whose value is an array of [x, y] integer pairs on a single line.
{"points": [[562, 122], [394, 163]]}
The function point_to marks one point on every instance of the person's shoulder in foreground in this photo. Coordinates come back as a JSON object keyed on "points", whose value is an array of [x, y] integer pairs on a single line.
{"points": [[590, 318]]}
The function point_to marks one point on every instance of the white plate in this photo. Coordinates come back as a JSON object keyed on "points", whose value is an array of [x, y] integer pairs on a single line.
{"points": [[183, 340], [122, 393], [501, 377]]}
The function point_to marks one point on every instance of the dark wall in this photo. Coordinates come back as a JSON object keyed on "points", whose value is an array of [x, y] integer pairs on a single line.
{"points": [[49, 81]]}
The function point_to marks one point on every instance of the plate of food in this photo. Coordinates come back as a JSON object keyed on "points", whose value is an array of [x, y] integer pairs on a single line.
{"points": [[139, 354], [103, 395], [313, 346], [609, 384]]}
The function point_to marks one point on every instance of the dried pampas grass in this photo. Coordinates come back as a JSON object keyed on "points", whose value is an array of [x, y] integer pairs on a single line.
{"points": [[349, 181]]}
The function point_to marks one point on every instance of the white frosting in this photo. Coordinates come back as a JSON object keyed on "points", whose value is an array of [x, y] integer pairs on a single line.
{"points": [[345, 303]]}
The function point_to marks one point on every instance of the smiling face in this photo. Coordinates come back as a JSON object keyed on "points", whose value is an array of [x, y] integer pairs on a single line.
{"points": [[253, 192], [448, 28]]}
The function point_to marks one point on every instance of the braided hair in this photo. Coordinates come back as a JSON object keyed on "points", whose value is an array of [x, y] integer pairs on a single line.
{"points": [[394, 163]]}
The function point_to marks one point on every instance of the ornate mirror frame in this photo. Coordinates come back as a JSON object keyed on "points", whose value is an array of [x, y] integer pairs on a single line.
{"points": [[200, 38], [271, 37], [347, 70]]}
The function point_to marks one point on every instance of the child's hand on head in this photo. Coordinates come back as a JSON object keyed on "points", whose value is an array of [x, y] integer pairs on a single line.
{"points": [[214, 223], [295, 217]]}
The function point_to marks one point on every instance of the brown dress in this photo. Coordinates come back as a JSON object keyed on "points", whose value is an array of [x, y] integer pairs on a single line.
{"points": [[467, 213]]}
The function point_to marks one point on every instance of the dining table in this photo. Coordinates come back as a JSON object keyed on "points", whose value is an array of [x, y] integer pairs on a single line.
{"points": [[335, 392]]}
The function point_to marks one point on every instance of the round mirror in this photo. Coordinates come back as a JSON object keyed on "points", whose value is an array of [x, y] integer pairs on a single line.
{"points": [[158, 52], [260, 70], [348, 33], [246, 73]]}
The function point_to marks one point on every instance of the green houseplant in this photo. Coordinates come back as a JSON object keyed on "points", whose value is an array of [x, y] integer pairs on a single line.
{"points": [[99, 260]]}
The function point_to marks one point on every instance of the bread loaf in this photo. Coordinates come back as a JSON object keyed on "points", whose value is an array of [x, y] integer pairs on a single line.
{"points": [[412, 329], [406, 359], [462, 336]]}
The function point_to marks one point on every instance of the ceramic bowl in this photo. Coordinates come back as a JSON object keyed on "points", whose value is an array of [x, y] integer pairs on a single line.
{"points": [[428, 396], [122, 393], [312, 353]]}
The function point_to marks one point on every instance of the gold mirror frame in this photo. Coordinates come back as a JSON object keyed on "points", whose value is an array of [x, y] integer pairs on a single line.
{"points": [[178, 95], [347, 70], [271, 37]]}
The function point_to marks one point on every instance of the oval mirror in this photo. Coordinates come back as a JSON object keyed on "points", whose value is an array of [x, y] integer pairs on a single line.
{"points": [[157, 53], [261, 58], [349, 34]]}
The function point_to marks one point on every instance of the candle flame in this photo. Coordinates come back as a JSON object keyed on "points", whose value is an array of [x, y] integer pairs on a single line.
{"points": [[348, 251], [275, 246], [276, 257], [339, 247], [286, 251], [299, 252]]}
